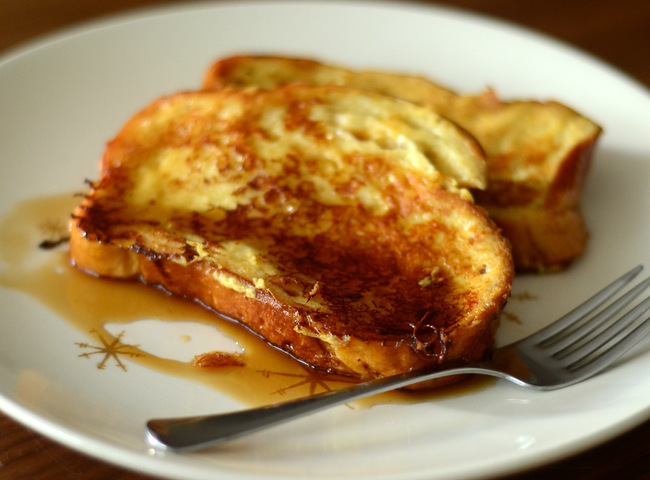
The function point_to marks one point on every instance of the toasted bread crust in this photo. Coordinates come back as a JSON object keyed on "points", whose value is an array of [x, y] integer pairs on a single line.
{"points": [[378, 266], [543, 222], [537, 152], [361, 357]]}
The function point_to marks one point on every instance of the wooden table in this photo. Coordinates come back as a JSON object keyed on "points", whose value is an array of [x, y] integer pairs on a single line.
{"points": [[614, 31]]}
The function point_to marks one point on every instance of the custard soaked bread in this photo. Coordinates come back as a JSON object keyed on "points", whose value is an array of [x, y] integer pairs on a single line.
{"points": [[313, 215], [537, 153]]}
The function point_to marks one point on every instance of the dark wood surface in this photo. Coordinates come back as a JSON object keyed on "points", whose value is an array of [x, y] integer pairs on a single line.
{"points": [[616, 32]]}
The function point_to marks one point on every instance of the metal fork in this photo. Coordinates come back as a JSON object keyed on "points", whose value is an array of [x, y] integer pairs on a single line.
{"points": [[575, 347]]}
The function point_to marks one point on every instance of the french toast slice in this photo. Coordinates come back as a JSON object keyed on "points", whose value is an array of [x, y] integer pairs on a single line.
{"points": [[312, 215], [537, 153]]}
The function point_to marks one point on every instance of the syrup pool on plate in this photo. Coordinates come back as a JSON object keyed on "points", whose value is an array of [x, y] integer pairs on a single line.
{"points": [[126, 321]]}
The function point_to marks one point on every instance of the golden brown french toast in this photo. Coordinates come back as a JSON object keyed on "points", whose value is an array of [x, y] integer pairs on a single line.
{"points": [[312, 215], [537, 153]]}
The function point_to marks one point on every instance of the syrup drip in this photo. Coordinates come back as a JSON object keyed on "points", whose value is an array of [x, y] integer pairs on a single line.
{"points": [[33, 252]]}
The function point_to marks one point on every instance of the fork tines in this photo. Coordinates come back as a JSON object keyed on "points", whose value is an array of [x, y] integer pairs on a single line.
{"points": [[594, 333]]}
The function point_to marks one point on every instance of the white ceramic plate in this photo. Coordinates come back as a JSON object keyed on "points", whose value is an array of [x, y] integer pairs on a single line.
{"points": [[61, 99]]}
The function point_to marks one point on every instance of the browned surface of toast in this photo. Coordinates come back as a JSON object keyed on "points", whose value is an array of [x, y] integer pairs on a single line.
{"points": [[287, 211], [538, 153]]}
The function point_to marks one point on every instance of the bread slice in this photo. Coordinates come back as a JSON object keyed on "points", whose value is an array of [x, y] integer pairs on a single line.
{"points": [[537, 153], [312, 215]]}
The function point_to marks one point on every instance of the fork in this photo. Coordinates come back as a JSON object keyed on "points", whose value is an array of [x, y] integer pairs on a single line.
{"points": [[580, 344]]}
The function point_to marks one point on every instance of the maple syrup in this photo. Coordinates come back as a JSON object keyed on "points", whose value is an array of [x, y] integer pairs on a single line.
{"points": [[33, 251]]}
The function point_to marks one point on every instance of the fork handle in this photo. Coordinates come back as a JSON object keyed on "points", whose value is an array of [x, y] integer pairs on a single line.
{"points": [[191, 433]]}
